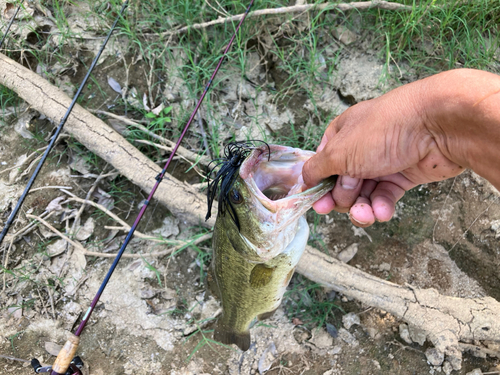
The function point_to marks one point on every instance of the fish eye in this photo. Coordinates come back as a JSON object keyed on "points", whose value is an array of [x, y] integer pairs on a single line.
{"points": [[235, 196]]}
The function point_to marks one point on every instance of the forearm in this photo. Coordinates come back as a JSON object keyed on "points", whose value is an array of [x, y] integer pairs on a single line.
{"points": [[462, 111]]}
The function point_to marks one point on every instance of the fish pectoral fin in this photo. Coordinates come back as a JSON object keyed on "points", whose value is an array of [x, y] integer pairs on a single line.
{"points": [[266, 315], [261, 275], [226, 336]]}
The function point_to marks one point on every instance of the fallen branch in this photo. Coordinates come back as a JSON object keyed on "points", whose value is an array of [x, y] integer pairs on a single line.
{"points": [[360, 5], [446, 320]]}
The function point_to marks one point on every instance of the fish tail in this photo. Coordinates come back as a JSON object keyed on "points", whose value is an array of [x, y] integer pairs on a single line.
{"points": [[227, 336]]}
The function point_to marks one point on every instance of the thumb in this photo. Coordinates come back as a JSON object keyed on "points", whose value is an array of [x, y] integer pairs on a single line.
{"points": [[317, 168]]}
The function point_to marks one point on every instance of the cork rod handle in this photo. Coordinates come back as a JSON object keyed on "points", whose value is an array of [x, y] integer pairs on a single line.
{"points": [[66, 355]]}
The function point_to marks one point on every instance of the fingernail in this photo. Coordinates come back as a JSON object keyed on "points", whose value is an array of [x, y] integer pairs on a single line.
{"points": [[357, 221], [349, 183]]}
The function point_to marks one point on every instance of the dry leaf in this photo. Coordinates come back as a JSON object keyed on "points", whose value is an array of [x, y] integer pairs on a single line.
{"points": [[158, 109], [114, 85], [55, 205], [56, 248], [85, 231], [145, 102], [52, 348], [104, 199]]}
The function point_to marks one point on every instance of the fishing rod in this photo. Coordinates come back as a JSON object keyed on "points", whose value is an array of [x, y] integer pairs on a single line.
{"points": [[65, 358], [8, 28], [13, 214]]}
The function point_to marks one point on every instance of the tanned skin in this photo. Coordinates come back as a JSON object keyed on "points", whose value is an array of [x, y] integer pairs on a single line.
{"points": [[425, 131]]}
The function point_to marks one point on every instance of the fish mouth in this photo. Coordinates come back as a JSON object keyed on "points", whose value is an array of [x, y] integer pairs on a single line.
{"points": [[279, 196], [273, 174]]}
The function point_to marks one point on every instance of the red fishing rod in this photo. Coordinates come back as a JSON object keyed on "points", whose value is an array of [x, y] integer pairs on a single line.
{"points": [[66, 358]]}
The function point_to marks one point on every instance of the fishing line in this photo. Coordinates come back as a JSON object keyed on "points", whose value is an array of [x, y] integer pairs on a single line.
{"points": [[7, 31], [59, 129], [63, 360]]}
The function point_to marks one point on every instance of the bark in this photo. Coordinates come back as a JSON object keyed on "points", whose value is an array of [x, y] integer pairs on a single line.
{"points": [[447, 321]]}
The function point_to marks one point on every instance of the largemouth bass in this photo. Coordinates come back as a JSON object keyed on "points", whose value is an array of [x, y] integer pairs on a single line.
{"points": [[260, 232]]}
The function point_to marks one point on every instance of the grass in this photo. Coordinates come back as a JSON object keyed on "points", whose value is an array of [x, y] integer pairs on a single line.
{"points": [[308, 302], [441, 34]]}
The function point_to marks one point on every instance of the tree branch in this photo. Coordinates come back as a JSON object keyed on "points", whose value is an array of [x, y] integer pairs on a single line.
{"points": [[360, 5]]}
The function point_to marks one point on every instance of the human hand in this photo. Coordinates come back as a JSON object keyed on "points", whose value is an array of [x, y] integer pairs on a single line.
{"points": [[380, 149]]}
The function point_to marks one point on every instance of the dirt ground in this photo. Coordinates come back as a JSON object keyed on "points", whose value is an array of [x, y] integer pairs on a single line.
{"points": [[156, 314]]}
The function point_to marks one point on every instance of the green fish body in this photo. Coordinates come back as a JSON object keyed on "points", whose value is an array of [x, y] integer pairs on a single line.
{"points": [[259, 236]]}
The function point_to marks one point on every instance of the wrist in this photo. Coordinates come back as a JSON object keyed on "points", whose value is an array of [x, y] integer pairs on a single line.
{"points": [[460, 110]]}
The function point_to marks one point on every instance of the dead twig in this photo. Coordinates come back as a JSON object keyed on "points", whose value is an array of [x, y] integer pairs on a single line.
{"points": [[51, 187], [64, 237], [5, 264], [168, 144], [94, 253], [125, 226], [168, 148], [360, 5], [14, 358]]}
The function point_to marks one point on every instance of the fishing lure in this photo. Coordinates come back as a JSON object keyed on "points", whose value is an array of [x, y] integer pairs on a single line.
{"points": [[235, 154]]}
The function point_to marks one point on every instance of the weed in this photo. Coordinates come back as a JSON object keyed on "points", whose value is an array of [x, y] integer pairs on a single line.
{"points": [[440, 34], [11, 339], [204, 339], [152, 268], [308, 302]]}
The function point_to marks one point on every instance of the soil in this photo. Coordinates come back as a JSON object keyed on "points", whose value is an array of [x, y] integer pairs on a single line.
{"points": [[155, 316]]}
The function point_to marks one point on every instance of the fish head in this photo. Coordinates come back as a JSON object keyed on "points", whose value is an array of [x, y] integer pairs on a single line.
{"points": [[268, 196]]}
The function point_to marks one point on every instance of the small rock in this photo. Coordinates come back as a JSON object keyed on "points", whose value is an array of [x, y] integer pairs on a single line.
{"points": [[348, 253], [344, 35], [332, 330], [434, 356], [384, 267], [348, 337], [417, 335], [147, 292], [372, 332], [476, 371], [405, 333], [447, 369], [350, 319], [321, 339]]}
